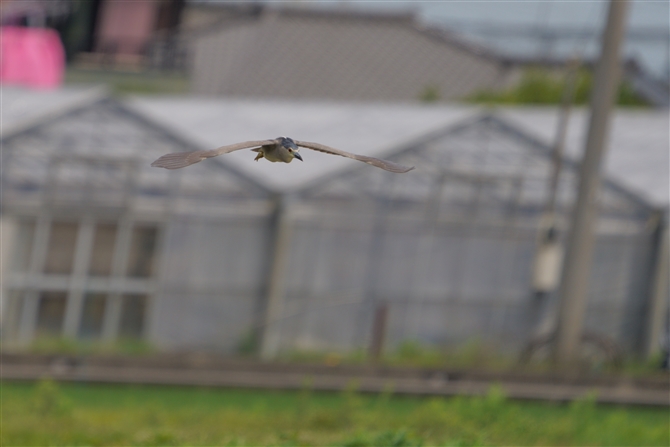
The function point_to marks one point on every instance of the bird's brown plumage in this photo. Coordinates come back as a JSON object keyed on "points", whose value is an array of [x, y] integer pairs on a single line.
{"points": [[384, 164], [182, 159]]}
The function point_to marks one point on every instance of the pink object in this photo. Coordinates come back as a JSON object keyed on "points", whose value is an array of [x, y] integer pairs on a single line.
{"points": [[126, 26], [32, 57]]}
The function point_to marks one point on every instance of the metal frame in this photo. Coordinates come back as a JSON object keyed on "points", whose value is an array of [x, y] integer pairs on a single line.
{"points": [[362, 205]]}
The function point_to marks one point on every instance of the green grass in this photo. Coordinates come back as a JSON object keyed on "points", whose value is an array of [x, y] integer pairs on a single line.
{"points": [[86, 414], [473, 355], [71, 346], [121, 83]]}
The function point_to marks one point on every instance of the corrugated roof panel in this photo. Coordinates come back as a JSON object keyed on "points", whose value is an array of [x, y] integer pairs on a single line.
{"points": [[639, 145], [368, 129], [22, 107], [638, 158]]}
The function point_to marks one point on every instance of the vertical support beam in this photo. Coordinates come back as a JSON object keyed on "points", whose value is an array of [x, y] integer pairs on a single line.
{"points": [[658, 299], [577, 263], [30, 307], [260, 306], [159, 284], [112, 316], [424, 253], [8, 233], [381, 204], [275, 292], [151, 321], [75, 300]]}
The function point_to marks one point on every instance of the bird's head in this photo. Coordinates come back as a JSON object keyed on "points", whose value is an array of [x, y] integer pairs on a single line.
{"points": [[290, 146]]}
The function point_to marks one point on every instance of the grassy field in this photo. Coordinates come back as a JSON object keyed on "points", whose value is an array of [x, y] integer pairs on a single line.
{"points": [[47, 413]]}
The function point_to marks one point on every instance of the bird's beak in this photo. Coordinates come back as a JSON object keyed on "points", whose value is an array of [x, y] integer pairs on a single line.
{"points": [[297, 155]]}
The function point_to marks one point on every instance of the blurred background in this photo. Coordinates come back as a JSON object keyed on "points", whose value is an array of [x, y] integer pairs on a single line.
{"points": [[328, 267]]}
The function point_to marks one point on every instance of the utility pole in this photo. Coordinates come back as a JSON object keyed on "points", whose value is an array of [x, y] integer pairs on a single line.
{"points": [[577, 263]]}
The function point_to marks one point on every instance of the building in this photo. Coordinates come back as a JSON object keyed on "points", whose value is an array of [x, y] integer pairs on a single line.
{"points": [[120, 32], [267, 52], [257, 50], [98, 245]]}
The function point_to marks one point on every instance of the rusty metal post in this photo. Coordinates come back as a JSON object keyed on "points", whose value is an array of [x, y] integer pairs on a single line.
{"points": [[378, 331]]}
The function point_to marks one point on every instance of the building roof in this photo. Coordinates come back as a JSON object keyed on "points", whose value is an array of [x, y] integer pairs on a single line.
{"points": [[345, 55], [638, 155], [23, 108], [638, 158], [369, 129]]}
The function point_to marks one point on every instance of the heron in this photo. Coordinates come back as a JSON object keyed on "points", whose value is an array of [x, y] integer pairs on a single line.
{"points": [[281, 149]]}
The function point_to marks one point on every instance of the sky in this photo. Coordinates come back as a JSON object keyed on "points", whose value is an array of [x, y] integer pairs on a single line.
{"points": [[546, 14]]}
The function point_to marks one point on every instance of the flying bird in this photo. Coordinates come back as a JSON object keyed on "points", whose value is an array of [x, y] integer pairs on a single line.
{"points": [[281, 149]]}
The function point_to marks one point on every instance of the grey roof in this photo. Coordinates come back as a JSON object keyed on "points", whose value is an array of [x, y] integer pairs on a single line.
{"points": [[638, 156], [368, 129], [306, 53], [98, 156], [23, 107]]}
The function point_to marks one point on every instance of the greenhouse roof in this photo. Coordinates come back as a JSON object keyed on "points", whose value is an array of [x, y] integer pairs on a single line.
{"points": [[639, 156], [23, 108], [639, 145], [369, 129]]}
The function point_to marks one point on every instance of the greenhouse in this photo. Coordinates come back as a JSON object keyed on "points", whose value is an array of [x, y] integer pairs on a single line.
{"points": [[97, 245]]}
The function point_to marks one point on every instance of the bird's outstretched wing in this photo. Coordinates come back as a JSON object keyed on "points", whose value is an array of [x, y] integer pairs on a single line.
{"points": [[384, 164], [182, 159]]}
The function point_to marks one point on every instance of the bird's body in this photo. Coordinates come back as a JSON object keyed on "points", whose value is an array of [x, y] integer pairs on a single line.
{"points": [[281, 149], [282, 152]]}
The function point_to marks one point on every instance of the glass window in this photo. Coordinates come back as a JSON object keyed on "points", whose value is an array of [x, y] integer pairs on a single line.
{"points": [[141, 253], [50, 313], [133, 308], [61, 248], [24, 246], [103, 250], [12, 314], [92, 315]]}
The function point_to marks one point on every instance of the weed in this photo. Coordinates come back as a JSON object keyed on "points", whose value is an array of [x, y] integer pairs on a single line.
{"points": [[49, 401], [305, 396], [384, 397], [539, 86], [430, 93], [388, 438], [248, 344]]}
